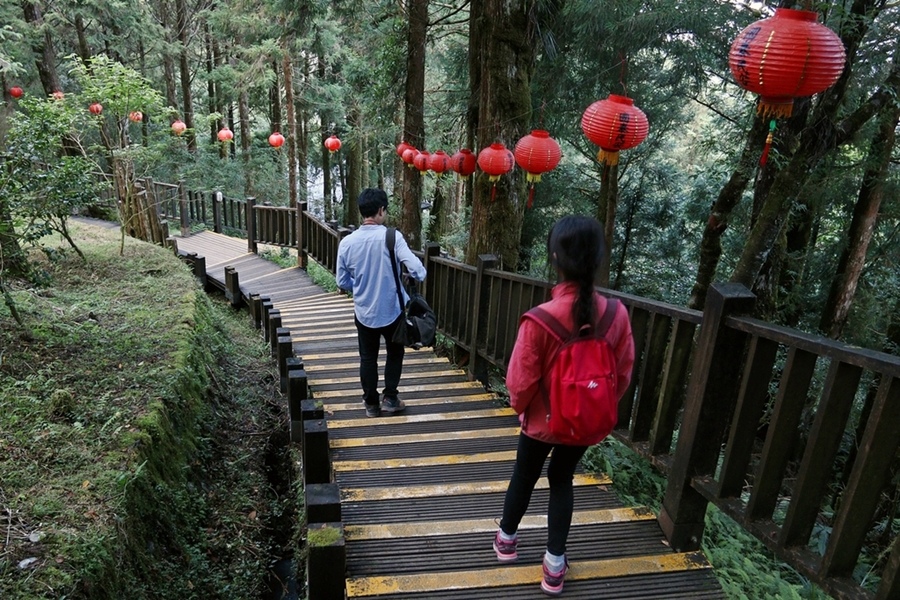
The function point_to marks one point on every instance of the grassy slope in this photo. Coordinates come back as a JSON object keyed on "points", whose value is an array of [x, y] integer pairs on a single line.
{"points": [[135, 415]]}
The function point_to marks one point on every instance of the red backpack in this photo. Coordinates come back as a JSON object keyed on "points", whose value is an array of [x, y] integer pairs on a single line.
{"points": [[580, 383]]}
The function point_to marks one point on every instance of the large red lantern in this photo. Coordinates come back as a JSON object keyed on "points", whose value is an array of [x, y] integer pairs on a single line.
{"points": [[333, 144], [276, 140], [421, 161], [96, 108], [614, 124], [786, 56], [225, 135], [439, 162], [178, 127], [409, 156], [136, 116], [16, 92], [463, 162], [537, 153]]}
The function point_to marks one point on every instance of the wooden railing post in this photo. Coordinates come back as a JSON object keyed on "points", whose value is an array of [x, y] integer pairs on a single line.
{"points": [[326, 563], [233, 288], [479, 314], [710, 397], [432, 249], [183, 209], [251, 225], [298, 389], [323, 503], [316, 452], [302, 257], [217, 211]]}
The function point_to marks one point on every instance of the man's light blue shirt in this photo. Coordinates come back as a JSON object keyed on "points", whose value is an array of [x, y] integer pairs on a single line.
{"points": [[364, 267]]}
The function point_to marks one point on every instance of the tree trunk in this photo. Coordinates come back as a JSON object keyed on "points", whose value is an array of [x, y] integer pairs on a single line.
{"points": [[862, 226], [606, 214], [720, 211], [414, 119], [169, 62], [44, 52], [506, 64], [354, 167], [185, 72], [244, 117], [290, 130], [303, 135], [275, 99], [628, 230], [84, 50]]}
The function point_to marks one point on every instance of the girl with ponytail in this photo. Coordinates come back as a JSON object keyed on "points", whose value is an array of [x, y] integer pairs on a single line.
{"points": [[575, 248]]}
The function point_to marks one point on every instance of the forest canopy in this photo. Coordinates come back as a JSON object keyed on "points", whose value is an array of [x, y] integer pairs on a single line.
{"points": [[814, 232]]}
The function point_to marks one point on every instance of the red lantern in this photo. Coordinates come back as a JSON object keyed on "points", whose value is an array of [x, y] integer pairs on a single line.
{"points": [[136, 116], [786, 56], [178, 127], [333, 144], [403, 147], [614, 124], [58, 95], [495, 160], [439, 162], [96, 108], [463, 162], [16, 92], [276, 140], [537, 153], [225, 135], [409, 156], [421, 161]]}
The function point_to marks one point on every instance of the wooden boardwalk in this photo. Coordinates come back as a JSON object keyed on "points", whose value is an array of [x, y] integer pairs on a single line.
{"points": [[421, 492]]}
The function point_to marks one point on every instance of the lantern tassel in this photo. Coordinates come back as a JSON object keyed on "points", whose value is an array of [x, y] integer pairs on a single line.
{"points": [[608, 157], [531, 196], [769, 138]]}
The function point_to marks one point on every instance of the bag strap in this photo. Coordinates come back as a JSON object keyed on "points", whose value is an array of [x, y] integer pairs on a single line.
{"points": [[390, 239]]}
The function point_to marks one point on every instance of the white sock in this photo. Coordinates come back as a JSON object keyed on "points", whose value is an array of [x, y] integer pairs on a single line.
{"points": [[508, 538], [554, 563]]}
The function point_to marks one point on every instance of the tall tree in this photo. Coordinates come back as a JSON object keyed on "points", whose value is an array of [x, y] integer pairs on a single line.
{"points": [[42, 44], [414, 118]]}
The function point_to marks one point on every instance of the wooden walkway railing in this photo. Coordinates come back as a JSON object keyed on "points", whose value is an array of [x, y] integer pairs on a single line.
{"points": [[717, 404]]}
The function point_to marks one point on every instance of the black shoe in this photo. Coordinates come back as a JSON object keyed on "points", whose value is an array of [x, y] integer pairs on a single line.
{"points": [[373, 410], [392, 405]]}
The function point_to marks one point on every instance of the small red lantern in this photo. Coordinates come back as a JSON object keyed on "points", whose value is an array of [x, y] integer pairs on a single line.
{"points": [[276, 140], [96, 108], [786, 56], [421, 161], [333, 144], [409, 156], [495, 160], [58, 95], [178, 127], [403, 147], [537, 153], [463, 162], [614, 124], [225, 135], [16, 92], [136, 116], [439, 162]]}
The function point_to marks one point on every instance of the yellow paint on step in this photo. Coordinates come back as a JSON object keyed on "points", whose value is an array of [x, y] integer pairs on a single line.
{"points": [[404, 390], [423, 461], [456, 489], [398, 419], [406, 377], [333, 407], [324, 363], [389, 440], [497, 577], [441, 528]]}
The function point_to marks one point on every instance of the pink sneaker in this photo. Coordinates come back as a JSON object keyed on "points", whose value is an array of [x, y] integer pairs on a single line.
{"points": [[552, 583], [506, 551]]}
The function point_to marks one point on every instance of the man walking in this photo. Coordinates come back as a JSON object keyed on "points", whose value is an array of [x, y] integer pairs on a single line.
{"points": [[364, 268]]}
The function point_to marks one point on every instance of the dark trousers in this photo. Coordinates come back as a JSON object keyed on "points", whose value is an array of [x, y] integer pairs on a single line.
{"points": [[369, 344], [530, 458]]}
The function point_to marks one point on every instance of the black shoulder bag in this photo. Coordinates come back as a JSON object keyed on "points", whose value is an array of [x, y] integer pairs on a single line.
{"points": [[419, 323]]}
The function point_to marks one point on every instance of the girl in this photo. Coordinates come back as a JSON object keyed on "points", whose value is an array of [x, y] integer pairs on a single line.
{"points": [[575, 248]]}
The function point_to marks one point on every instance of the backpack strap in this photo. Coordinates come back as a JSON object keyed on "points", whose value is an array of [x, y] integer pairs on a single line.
{"points": [[609, 315], [390, 239], [558, 331]]}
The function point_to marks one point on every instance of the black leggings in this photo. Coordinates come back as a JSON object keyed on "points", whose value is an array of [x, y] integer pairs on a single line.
{"points": [[530, 458]]}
